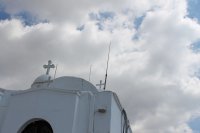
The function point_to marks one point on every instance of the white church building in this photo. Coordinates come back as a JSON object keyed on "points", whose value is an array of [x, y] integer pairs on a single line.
{"points": [[62, 105]]}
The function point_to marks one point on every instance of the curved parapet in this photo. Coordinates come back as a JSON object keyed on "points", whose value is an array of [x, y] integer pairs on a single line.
{"points": [[42, 80], [73, 83], [66, 83]]}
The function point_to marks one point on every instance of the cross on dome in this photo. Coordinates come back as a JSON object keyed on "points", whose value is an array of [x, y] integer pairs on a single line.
{"points": [[100, 84], [49, 66]]}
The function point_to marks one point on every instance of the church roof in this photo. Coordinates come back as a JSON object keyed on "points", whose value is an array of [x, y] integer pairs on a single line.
{"points": [[66, 83]]}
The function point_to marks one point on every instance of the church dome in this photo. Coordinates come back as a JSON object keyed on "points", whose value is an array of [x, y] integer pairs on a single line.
{"points": [[73, 83], [42, 80], [66, 82]]}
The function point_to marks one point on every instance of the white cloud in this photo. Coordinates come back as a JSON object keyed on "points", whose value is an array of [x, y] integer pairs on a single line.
{"points": [[153, 75]]}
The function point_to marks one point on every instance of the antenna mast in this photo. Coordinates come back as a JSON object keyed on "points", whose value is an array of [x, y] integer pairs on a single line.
{"points": [[107, 67], [90, 72]]}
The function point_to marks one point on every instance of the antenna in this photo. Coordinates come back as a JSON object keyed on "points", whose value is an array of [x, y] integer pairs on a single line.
{"points": [[55, 71], [90, 72], [107, 67]]}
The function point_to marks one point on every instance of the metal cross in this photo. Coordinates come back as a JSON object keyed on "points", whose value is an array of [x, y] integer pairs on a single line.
{"points": [[100, 84], [49, 66]]}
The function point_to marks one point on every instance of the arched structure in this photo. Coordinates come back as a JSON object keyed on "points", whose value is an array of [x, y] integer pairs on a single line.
{"points": [[62, 105], [36, 126]]}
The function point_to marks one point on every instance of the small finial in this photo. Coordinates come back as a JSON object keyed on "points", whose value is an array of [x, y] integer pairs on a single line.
{"points": [[100, 84], [49, 66]]}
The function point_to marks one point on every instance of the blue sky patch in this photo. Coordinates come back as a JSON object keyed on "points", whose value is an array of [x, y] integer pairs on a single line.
{"points": [[100, 17], [195, 124], [194, 9], [195, 47], [29, 19], [138, 21], [26, 17], [106, 15], [3, 14]]}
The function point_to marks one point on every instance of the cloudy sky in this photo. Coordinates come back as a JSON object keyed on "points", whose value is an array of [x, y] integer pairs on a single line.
{"points": [[154, 61]]}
